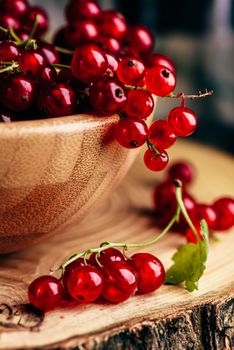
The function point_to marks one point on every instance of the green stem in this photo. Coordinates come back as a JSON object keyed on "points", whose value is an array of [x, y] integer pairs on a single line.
{"points": [[152, 148], [14, 65], [59, 65], [4, 30], [34, 28], [15, 36], [63, 50]]}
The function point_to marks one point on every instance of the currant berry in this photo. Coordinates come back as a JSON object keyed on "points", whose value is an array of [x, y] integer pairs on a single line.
{"points": [[112, 62], [120, 281], [140, 104], [69, 268], [105, 257], [224, 208], [161, 135], [108, 96], [109, 44], [7, 21], [47, 75], [182, 121], [182, 171], [57, 100], [206, 212], [160, 80], [190, 235], [131, 132], [138, 39], [49, 52], [82, 9], [130, 70], [156, 162], [8, 51], [80, 32], [85, 283], [150, 271], [42, 20], [16, 8], [17, 93], [45, 292], [113, 24], [32, 61], [157, 59], [89, 63]]}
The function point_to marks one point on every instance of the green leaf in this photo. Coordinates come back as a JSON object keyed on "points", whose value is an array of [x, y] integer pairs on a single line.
{"points": [[190, 262]]}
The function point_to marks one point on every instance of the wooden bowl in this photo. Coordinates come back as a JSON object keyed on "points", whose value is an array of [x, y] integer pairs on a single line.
{"points": [[52, 169]]}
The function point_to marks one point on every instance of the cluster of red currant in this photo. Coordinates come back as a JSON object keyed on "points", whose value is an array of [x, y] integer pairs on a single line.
{"points": [[108, 274], [218, 215], [111, 70]]}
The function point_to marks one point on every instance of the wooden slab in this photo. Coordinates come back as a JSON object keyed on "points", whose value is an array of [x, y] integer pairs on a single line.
{"points": [[170, 318]]}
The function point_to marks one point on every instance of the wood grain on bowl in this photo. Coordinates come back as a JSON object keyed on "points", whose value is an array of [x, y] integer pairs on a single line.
{"points": [[51, 169]]}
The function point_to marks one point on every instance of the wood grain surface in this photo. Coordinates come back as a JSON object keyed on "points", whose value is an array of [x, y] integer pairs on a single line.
{"points": [[51, 169], [169, 318]]}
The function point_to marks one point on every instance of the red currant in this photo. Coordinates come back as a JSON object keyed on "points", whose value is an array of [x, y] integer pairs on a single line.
{"points": [[130, 70], [42, 24], [182, 171], [57, 100], [131, 132], [156, 162], [106, 256], [69, 268], [161, 135], [120, 281], [80, 32], [49, 52], [7, 21], [206, 212], [224, 208], [82, 9], [140, 104], [17, 93], [109, 44], [160, 80], [150, 271], [139, 39], [32, 61], [108, 96], [89, 63], [85, 283], [182, 121], [112, 23], [16, 8], [157, 59], [8, 51], [47, 75], [190, 235], [112, 62], [45, 292]]}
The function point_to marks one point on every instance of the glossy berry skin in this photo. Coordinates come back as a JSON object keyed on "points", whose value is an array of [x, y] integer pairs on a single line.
{"points": [[224, 208], [206, 212], [112, 23], [57, 100], [49, 52], [140, 104], [109, 44], [69, 268], [16, 8], [120, 281], [89, 63], [7, 21], [139, 39], [190, 235], [161, 135], [131, 132], [106, 256], [108, 96], [47, 75], [182, 171], [160, 80], [130, 70], [82, 9], [31, 62], [80, 32], [182, 121], [156, 162], [17, 93], [112, 62], [85, 283], [150, 271], [45, 292], [157, 59], [8, 51], [43, 20]]}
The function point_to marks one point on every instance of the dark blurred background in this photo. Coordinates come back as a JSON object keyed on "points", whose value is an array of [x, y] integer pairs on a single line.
{"points": [[199, 37]]}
